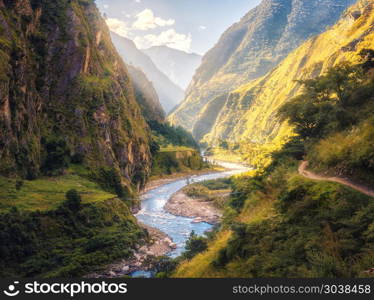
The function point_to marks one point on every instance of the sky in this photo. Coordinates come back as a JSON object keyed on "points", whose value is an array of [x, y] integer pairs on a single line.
{"points": [[188, 25]]}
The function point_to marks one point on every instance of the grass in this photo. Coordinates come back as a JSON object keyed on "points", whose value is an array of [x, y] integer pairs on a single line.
{"points": [[176, 149], [215, 191], [255, 210], [49, 192], [200, 266]]}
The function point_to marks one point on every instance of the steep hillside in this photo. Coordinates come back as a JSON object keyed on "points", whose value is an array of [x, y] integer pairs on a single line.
{"points": [[248, 119], [178, 65], [168, 92], [251, 48], [146, 95], [74, 145], [311, 218], [65, 93]]}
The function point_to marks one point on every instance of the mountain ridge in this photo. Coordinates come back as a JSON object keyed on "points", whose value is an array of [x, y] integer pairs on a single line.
{"points": [[251, 48], [178, 65], [248, 116], [168, 92]]}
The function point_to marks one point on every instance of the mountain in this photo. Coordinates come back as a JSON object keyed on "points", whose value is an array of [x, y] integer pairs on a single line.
{"points": [[178, 65], [146, 95], [308, 213], [169, 93], [248, 50], [248, 118], [74, 145], [66, 93]]}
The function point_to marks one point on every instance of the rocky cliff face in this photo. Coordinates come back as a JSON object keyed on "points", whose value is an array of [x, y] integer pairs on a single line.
{"points": [[64, 91], [146, 95], [248, 120], [251, 48], [168, 92]]}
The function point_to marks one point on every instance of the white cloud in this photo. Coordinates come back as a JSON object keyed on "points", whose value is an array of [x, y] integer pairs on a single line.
{"points": [[202, 27], [118, 26], [138, 1], [169, 38], [106, 6], [126, 14], [146, 20]]}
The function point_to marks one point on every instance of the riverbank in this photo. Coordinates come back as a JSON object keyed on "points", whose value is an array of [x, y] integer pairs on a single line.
{"points": [[168, 231], [197, 208], [159, 244], [160, 181]]}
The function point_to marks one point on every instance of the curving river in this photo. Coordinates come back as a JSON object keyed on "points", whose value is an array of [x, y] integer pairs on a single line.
{"points": [[152, 212]]}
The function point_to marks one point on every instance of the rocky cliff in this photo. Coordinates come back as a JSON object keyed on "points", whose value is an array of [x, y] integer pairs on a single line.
{"points": [[146, 95], [248, 50], [65, 93]]}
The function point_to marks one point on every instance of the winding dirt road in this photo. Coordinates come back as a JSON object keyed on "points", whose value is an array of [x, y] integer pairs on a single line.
{"points": [[363, 189]]}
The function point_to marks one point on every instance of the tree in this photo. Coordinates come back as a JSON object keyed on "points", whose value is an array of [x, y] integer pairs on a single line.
{"points": [[223, 144], [19, 185], [335, 86], [195, 245], [57, 155], [342, 80], [73, 200], [326, 103]]}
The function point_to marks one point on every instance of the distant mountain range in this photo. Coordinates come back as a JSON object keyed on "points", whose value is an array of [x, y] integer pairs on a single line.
{"points": [[168, 92], [178, 65]]}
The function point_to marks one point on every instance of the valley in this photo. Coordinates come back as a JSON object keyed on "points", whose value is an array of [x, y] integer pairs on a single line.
{"points": [[255, 160]]}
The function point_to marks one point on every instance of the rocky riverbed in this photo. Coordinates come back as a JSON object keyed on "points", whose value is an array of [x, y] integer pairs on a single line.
{"points": [[159, 245], [202, 211]]}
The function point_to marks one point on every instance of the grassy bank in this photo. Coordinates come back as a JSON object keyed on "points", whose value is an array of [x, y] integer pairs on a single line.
{"points": [[173, 160], [44, 235]]}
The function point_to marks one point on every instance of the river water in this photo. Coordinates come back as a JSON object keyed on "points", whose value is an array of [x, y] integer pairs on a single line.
{"points": [[152, 211]]}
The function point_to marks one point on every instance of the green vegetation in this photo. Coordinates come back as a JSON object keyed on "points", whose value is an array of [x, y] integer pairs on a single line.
{"points": [[319, 230], [162, 266], [89, 114], [334, 120], [280, 224], [215, 191], [166, 135], [68, 241], [194, 245], [217, 184], [73, 200], [62, 226], [48, 193], [174, 150], [57, 156], [176, 160]]}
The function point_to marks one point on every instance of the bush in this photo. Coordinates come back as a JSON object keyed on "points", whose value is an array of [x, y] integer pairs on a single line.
{"points": [[73, 200], [56, 157], [19, 184], [110, 180], [163, 266], [194, 245], [77, 158], [197, 191], [217, 184], [166, 135]]}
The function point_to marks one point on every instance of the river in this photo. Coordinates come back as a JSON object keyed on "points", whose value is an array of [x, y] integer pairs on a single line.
{"points": [[152, 211]]}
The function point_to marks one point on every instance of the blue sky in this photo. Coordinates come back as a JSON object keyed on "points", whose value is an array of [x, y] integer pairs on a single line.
{"points": [[189, 25]]}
